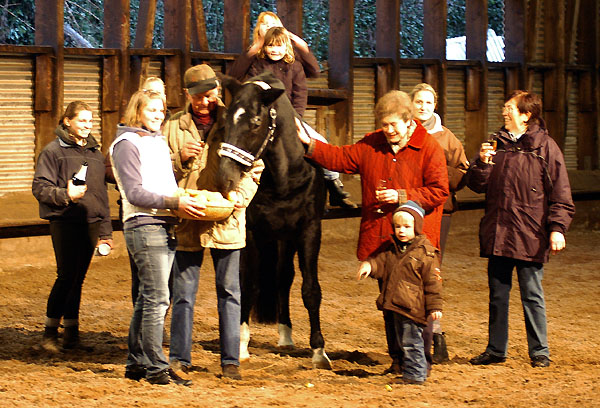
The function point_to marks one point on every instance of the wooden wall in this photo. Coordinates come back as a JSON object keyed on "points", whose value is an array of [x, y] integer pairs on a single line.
{"points": [[552, 47]]}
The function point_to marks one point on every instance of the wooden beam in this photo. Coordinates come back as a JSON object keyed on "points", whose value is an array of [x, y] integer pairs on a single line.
{"points": [[434, 29], [290, 13], [387, 43], [49, 70], [476, 16], [555, 79], [340, 74], [435, 13], [144, 29], [236, 25], [177, 31], [115, 73], [199, 39]]}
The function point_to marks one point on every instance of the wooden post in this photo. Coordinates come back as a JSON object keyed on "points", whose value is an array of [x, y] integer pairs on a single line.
{"points": [[435, 13], [290, 13], [476, 92], [199, 39], [387, 44], [588, 36], [341, 73], [236, 25], [177, 30], [49, 71], [517, 36], [555, 78], [144, 31], [115, 73]]}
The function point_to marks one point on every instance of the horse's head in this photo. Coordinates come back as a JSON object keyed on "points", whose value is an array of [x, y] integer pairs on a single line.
{"points": [[249, 125]]}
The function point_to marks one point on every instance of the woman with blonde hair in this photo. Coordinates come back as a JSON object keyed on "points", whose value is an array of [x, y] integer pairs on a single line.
{"points": [[142, 167]]}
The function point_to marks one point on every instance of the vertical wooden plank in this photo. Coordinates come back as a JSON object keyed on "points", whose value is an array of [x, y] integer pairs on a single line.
{"points": [[144, 31], [588, 53], [49, 30], [476, 17], [115, 73], [199, 39], [177, 31], [555, 78], [290, 13], [387, 43], [236, 25], [435, 14], [341, 50]]}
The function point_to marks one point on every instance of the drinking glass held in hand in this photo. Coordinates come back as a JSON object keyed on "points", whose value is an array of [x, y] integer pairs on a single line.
{"points": [[379, 189]]}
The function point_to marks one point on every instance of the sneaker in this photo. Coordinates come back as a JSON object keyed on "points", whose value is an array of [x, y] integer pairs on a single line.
{"points": [[486, 358], [179, 370], [540, 361], [50, 345], [135, 372], [160, 378], [412, 381], [231, 371], [179, 377]]}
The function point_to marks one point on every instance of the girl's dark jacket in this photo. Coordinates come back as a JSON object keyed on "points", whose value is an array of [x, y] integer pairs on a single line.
{"points": [[527, 196], [411, 281], [56, 165]]}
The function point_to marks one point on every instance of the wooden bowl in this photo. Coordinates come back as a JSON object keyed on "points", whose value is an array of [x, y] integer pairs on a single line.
{"points": [[217, 207]]}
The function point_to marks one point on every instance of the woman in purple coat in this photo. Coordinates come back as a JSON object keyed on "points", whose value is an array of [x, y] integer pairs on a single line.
{"points": [[528, 209]]}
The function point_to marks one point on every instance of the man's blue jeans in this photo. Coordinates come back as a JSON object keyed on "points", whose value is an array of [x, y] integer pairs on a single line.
{"points": [[153, 250], [410, 338], [185, 286], [530, 276]]}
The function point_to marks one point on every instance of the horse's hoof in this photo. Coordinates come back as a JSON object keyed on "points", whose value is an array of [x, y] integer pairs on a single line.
{"points": [[244, 357], [320, 359], [285, 336]]}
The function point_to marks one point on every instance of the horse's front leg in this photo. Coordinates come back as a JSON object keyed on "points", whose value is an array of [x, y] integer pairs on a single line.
{"points": [[285, 278], [248, 279], [309, 245]]}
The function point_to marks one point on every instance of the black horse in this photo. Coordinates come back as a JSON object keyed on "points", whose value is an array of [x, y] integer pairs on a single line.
{"points": [[284, 218]]}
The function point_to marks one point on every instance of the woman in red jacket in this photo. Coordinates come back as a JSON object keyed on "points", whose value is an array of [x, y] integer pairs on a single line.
{"points": [[528, 209], [396, 163]]}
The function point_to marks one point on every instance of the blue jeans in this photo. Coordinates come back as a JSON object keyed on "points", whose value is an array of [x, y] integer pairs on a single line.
{"points": [[530, 276], [410, 338], [185, 286], [153, 250]]}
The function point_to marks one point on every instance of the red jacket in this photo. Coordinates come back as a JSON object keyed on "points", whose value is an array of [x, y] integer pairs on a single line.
{"points": [[419, 169], [527, 196]]}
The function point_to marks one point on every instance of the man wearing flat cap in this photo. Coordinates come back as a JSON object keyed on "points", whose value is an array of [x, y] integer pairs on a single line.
{"points": [[194, 136]]}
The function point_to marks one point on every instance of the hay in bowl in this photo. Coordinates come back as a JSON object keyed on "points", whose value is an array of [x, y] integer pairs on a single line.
{"points": [[217, 207]]}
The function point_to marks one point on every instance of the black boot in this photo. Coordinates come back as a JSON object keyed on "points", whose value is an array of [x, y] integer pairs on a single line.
{"points": [[440, 351], [337, 196], [71, 340]]}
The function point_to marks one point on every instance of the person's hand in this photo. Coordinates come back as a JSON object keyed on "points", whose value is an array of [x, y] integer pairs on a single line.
{"points": [[437, 315], [107, 241], [302, 135], [75, 192], [236, 198], [191, 149], [557, 242], [298, 42], [192, 206], [364, 270], [486, 152], [389, 196], [256, 46]]}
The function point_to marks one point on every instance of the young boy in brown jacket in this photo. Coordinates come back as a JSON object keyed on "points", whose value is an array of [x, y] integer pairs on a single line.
{"points": [[411, 286]]}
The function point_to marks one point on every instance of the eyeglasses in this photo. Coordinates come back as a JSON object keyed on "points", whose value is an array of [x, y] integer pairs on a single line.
{"points": [[509, 108]]}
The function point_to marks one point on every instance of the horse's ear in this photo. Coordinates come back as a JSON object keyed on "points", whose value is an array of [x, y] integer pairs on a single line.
{"points": [[268, 96], [229, 83]]}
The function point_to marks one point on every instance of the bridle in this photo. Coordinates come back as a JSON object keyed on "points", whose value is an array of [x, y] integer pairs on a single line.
{"points": [[242, 156]]}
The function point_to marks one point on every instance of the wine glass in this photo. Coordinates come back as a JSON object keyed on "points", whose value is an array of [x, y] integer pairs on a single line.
{"points": [[381, 186], [492, 141]]}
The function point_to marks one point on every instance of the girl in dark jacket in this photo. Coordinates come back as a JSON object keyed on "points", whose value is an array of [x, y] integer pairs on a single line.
{"points": [[78, 215], [527, 213]]}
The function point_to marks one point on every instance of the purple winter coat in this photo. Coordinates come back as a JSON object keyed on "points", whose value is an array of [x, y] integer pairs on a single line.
{"points": [[527, 196]]}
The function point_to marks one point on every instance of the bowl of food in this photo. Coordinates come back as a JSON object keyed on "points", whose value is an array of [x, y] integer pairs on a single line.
{"points": [[217, 207]]}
